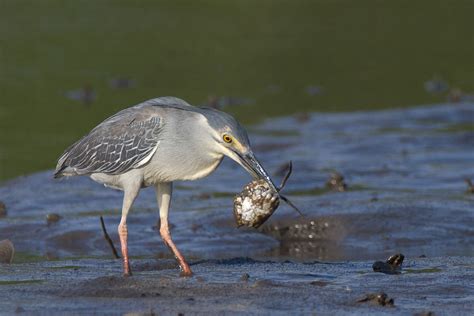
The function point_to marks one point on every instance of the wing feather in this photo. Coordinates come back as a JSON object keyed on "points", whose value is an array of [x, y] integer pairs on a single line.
{"points": [[125, 141]]}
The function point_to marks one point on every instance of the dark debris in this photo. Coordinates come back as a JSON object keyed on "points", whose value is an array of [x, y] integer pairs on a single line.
{"points": [[336, 182], [393, 265], [381, 299], [3, 209], [470, 186]]}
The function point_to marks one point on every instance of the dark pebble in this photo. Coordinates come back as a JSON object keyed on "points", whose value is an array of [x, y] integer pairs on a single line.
{"points": [[393, 265], [245, 277], [7, 251], [3, 209], [381, 299], [52, 218], [336, 182]]}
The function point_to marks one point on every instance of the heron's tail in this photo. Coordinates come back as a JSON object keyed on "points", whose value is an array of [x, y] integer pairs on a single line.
{"points": [[61, 166], [58, 174], [66, 171]]}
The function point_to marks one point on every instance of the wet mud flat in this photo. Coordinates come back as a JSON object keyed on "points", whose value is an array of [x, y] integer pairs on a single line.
{"points": [[236, 286], [401, 189]]}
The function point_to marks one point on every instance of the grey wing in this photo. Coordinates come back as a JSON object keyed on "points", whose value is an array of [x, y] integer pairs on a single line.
{"points": [[123, 142]]}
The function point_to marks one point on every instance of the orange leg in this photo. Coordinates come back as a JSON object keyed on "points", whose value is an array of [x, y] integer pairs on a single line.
{"points": [[123, 233], [163, 195], [130, 194], [166, 236]]}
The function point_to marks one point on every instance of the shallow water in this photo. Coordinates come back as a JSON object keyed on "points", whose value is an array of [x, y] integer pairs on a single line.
{"points": [[405, 172]]}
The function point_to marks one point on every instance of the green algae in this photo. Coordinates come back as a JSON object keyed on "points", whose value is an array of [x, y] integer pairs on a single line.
{"points": [[426, 270], [71, 267], [20, 282], [461, 127]]}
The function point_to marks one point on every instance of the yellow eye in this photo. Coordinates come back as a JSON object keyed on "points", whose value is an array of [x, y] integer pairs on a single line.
{"points": [[227, 138]]}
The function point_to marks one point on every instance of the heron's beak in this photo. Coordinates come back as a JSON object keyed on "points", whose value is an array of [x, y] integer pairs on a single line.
{"points": [[251, 164]]}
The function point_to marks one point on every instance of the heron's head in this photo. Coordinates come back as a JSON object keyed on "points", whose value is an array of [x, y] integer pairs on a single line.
{"points": [[231, 140]]}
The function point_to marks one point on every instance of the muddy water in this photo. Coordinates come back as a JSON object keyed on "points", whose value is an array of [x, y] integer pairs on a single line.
{"points": [[404, 170]]}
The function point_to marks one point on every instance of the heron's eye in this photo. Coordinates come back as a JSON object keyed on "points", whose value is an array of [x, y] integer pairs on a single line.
{"points": [[227, 138]]}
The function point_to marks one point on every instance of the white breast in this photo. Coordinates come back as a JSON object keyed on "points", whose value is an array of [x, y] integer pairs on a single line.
{"points": [[163, 168]]}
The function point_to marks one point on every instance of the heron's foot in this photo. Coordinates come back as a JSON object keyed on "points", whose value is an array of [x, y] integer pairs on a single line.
{"points": [[127, 272], [185, 270], [123, 234], [186, 274], [165, 235]]}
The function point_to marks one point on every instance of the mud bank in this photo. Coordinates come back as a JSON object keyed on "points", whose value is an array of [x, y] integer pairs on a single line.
{"points": [[236, 286]]}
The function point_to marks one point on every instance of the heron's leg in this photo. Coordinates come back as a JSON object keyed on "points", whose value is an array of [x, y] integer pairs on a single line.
{"points": [[128, 198], [163, 195]]}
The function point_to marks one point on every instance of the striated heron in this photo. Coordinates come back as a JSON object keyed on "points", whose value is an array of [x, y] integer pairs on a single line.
{"points": [[153, 144]]}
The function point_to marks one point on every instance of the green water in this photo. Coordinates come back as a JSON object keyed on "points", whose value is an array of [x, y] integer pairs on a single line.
{"points": [[364, 55]]}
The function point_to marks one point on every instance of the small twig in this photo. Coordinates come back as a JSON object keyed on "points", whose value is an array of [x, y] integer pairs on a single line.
{"points": [[109, 240], [284, 198], [285, 178], [283, 182]]}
